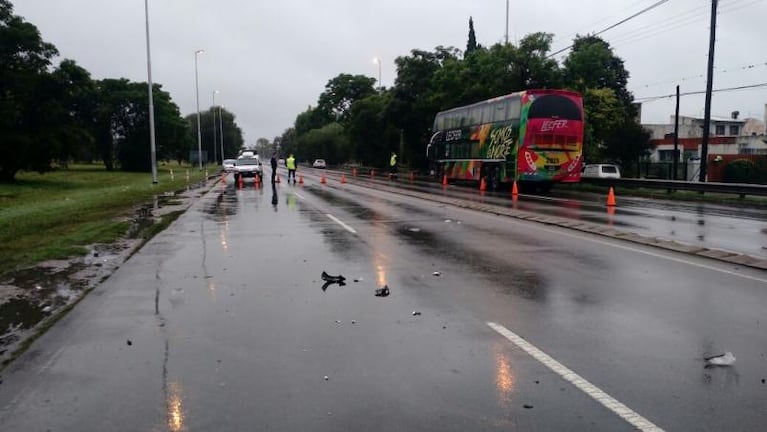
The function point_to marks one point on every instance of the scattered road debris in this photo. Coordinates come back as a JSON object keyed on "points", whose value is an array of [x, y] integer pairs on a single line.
{"points": [[527, 406], [129, 342], [436, 273], [382, 292], [726, 359], [416, 313], [335, 279], [414, 229], [326, 378]]}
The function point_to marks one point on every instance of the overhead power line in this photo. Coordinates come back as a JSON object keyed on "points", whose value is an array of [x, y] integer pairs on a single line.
{"points": [[701, 75], [643, 11], [699, 92]]}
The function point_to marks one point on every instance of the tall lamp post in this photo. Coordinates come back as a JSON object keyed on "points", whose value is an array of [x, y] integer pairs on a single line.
{"points": [[221, 124], [197, 91], [215, 141], [152, 147], [378, 60]]}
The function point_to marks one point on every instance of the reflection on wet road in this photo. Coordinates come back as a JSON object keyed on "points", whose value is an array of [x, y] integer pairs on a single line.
{"points": [[229, 327], [733, 228]]}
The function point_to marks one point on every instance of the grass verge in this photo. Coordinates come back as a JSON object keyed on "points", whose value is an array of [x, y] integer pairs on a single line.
{"points": [[58, 214]]}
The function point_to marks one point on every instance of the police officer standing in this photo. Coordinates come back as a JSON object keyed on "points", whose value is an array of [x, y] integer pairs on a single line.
{"points": [[290, 162], [393, 166]]}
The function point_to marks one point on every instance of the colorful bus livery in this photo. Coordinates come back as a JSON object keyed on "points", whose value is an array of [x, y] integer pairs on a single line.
{"points": [[534, 136]]}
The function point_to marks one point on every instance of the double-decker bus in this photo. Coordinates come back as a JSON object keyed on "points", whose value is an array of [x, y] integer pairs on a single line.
{"points": [[534, 137]]}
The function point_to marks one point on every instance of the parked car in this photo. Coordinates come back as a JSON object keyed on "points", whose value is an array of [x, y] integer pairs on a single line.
{"points": [[319, 163], [601, 171], [230, 165], [248, 167]]}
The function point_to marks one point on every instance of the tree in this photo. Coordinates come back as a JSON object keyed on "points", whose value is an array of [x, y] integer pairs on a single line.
{"points": [[232, 134], [122, 135], [592, 64], [471, 45], [603, 114], [371, 136], [78, 99], [25, 102], [628, 143], [340, 92], [328, 142]]}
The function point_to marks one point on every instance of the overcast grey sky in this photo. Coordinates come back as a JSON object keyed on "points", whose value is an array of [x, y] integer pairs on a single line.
{"points": [[270, 60]]}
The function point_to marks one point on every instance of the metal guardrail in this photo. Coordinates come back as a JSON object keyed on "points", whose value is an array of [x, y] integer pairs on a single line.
{"points": [[741, 189]]}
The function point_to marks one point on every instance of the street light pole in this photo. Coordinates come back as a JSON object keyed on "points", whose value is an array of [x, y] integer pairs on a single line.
{"points": [[507, 22], [152, 147], [378, 60], [197, 91], [221, 134], [215, 141]]}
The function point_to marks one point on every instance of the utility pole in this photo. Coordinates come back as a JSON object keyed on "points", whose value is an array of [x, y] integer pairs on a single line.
{"points": [[676, 136], [709, 84], [152, 145], [507, 22]]}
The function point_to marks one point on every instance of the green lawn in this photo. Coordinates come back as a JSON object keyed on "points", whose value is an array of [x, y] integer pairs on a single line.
{"points": [[57, 214]]}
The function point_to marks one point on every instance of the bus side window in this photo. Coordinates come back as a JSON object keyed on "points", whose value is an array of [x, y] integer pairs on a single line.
{"points": [[464, 117], [499, 111], [487, 113], [515, 109], [439, 123]]}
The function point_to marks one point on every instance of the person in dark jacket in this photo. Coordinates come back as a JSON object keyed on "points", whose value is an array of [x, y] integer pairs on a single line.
{"points": [[274, 166]]}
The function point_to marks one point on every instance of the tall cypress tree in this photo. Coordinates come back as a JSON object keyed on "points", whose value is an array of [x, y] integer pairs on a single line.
{"points": [[472, 44]]}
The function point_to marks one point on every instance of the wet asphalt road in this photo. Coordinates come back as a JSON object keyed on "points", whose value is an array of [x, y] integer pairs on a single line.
{"points": [[731, 228], [221, 323]]}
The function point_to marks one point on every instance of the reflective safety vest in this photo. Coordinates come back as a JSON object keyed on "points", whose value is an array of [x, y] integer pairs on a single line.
{"points": [[393, 160], [290, 163]]}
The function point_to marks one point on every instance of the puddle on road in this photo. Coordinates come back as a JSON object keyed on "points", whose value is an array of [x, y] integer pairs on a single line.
{"points": [[225, 205]]}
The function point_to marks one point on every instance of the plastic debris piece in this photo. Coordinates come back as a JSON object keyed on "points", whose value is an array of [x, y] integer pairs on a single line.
{"points": [[527, 406], [329, 283], [129, 342], [416, 313], [338, 322], [329, 278], [326, 378], [726, 359], [414, 229], [436, 273], [354, 321], [383, 292], [447, 221]]}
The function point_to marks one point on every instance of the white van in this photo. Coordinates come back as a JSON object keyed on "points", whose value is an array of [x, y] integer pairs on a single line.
{"points": [[601, 171]]}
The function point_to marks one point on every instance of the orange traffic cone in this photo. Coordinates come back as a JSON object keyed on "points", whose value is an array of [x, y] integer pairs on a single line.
{"points": [[256, 181], [241, 182], [611, 198], [372, 173], [514, 190], [343, 178], [412, 176], [323, 180], [482, 185], [354, 172], [278, 178], [444, 180], [300, 179]]}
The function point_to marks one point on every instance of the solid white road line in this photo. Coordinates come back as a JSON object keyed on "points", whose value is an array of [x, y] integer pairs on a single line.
{"points": [[340, 222], [603, 398]]}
